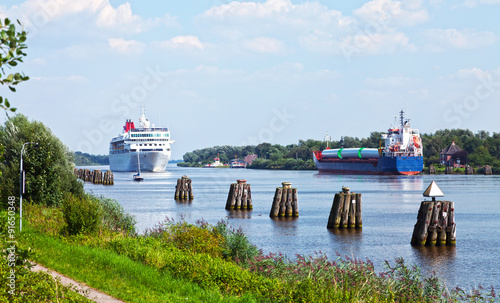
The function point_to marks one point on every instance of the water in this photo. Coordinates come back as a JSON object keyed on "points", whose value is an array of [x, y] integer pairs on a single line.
{"points": [[390, 207]]}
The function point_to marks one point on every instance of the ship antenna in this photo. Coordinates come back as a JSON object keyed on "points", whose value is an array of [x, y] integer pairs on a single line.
{"points": [[402, 115], [327, 138]]}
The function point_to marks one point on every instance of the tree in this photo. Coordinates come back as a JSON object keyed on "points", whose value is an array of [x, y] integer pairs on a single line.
{"points": [[11, 52], [49, 169]]}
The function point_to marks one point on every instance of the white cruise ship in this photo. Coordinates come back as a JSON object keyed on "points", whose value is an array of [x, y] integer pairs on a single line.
{"points": [[152, 144]]}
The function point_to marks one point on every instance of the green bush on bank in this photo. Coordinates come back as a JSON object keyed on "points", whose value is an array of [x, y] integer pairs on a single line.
{"points": [[81, 215]]}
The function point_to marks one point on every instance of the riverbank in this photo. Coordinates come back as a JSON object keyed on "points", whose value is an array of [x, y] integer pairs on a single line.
{"points": [[165, 266]]}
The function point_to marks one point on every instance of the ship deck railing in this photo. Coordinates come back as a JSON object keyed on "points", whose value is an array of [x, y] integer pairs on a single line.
{"points": [[152, 129]]}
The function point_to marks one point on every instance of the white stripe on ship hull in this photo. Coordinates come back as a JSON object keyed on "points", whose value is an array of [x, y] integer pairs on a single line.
{"points": [[150, 161]]}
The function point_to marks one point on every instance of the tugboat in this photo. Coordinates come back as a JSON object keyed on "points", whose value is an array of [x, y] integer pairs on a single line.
{"points": [[402, 155]]}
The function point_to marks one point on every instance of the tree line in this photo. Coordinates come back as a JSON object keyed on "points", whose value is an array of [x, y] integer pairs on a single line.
{"points": [[479, 149], [84, 159]]}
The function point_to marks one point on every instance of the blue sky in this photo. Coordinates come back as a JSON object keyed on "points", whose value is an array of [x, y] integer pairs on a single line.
{"points": [[219, 72]]}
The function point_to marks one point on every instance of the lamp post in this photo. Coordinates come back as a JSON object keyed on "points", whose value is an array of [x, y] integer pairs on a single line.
{"points": [[21, 189]]}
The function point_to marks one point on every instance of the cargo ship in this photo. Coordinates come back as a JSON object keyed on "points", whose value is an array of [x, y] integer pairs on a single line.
{"points": [[149, 143], [402, 154]]}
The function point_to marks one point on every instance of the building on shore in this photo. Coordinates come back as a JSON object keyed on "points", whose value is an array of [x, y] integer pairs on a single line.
{"points": [[453, 156], [249, 159]]}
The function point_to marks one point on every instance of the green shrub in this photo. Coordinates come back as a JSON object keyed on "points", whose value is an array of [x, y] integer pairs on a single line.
{"points": [[237, 246], [82, 215], [114, 217], [192, 238]]}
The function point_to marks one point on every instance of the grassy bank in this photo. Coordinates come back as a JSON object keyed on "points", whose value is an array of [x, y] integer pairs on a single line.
{"points": [[177, 261], [115, 274]]}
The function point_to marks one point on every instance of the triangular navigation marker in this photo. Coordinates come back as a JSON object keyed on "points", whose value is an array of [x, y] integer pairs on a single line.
{"points": [[433, 191]]}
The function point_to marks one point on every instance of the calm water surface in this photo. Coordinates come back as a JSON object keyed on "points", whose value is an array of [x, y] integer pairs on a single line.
{"points": [[390, 207]]}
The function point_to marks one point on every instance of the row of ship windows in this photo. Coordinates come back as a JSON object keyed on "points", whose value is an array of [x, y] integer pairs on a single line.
{"points": [[151, 144], [141, 140], [124, 151], [149, 149], [149, 135], [144, 144]]}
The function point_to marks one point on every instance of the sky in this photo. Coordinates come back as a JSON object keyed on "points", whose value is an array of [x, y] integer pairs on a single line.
{"points": [[220, 72]]}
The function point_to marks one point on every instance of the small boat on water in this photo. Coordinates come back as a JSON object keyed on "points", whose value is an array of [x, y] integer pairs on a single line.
{"points": [[237, 163], [138, 177], [216, 163]]}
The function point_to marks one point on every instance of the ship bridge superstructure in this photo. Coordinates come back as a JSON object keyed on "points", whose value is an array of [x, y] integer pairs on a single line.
{"points": [[403, 140]]}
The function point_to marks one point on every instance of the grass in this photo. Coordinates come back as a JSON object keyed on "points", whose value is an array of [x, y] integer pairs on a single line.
{"points": [[115, 274]]}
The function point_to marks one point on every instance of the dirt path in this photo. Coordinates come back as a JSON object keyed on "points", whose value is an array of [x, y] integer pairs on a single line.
{"points": [[93, 294]]}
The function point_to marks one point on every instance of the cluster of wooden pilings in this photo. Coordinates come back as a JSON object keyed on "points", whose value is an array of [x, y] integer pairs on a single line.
{"points": [[346, 210], [435, 224], [240, 196], [95, 176], [285, 202], [184, 189]]}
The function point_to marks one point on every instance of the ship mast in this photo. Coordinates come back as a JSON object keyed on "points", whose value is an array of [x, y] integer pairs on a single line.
{"points": [[327, 138]]}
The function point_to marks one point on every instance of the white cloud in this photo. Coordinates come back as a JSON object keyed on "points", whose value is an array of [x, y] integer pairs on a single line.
{"points": [[392, 81], [275, 16], [38, 13], [439, 40], [474, 3], [126, 46], [315, 27], [474, 73], [360, 45], [386, 13], [72, 78], [242, 9], [183, 43], [264, 45]]}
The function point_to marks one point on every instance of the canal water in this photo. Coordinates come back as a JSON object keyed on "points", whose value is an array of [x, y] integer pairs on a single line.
{"points": [[390, 207]]}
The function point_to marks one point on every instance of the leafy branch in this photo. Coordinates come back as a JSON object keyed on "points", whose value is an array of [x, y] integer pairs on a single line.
{"points": [[12, 46]]}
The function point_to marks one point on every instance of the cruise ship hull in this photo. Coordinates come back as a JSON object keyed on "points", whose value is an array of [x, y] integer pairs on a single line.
{"points": [[150, 161], [409, 165]]}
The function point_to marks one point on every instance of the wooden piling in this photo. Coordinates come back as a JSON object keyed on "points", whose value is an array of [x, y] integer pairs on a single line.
{"points": [[432, 229], [451, 233], [184, 189], [285, 202], [239, 196], [432, 169], [275, 209], [469, 170], [295, 204], [449, 170], [487, 170], [359, 217], [435, 224], [335, 212], [96, 177], [345, 211], [443, 222], [249, 197], [108, 178]]}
